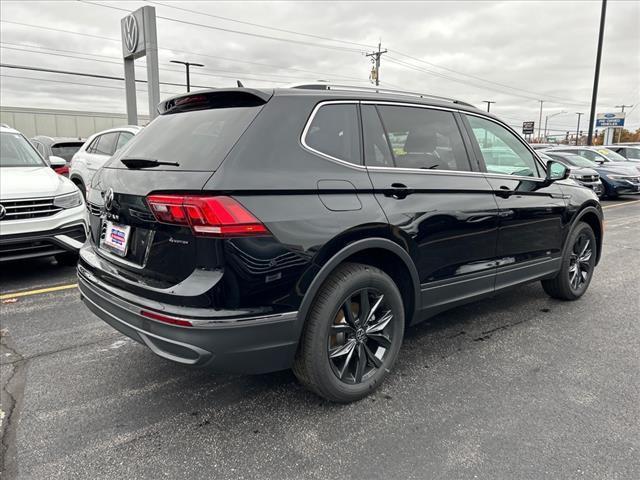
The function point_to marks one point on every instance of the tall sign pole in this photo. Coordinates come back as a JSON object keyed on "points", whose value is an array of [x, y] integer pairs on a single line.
{"points": [[139, 39], [596, 78]]}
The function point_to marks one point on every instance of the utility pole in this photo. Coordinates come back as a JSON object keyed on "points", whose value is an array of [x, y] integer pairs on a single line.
{"points": [[596, 78], [375, 58], [621, 107], [488, 102], [187, 65], [540, 119], [578, 127]]}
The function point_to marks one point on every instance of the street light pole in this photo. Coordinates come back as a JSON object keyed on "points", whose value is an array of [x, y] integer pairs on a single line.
{"points": [[187, 65], [578, 127], [546, 121], [540, 119], [596, 78]]}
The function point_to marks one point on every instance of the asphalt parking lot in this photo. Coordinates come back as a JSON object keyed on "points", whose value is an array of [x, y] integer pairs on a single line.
{"points": [[520, 386]]}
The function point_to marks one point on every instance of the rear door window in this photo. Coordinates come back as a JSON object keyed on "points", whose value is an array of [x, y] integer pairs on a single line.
{"points": [[106, 144], [424, 138], [377, 151], [334, 131]]}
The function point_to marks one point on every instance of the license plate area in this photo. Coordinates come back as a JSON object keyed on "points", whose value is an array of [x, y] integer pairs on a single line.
{"points": [[116, 238]]}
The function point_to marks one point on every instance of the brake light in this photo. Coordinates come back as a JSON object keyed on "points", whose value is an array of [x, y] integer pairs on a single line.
{"points": [[62, 170], [207, 216], [166, 319]]}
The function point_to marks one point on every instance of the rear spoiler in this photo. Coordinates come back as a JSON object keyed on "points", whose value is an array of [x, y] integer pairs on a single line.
{"points": [[215, 98]]}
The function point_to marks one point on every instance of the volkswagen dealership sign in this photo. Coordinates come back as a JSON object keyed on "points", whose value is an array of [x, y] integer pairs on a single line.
{"points": [[610, 119], [133, 35]]}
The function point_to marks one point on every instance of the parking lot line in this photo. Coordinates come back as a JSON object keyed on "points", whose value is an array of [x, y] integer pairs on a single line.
{"points": [[37, 291], [622, 204]]}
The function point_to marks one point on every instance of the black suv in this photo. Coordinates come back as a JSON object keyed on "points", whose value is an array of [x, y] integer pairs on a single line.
{"points": [[257, 230]]}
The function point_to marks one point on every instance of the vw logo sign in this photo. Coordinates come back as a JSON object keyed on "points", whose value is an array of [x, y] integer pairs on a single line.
{"points": [[131, 33], [108, 200], [3, 211]]}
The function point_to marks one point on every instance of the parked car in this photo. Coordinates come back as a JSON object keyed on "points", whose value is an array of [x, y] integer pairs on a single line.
{"points": [[630, 152], [581, 170], [596, 154], [617, 178], [41, 212], [96, 151], [542, 146], [61, 147], [248, 230]]}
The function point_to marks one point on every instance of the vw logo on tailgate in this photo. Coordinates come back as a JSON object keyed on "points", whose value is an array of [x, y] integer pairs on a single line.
{"points": [[108, 200], [3, 211]]}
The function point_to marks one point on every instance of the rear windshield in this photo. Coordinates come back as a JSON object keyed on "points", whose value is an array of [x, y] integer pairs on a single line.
{"points": [[197, 140], [65, 150]]}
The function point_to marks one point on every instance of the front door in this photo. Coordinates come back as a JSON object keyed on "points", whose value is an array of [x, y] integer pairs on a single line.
{"points": [[437, 205], [531, 210]]}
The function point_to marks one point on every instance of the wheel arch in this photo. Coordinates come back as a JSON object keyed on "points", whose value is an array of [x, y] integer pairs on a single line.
{"points": [[378, 252], [592, 216]]}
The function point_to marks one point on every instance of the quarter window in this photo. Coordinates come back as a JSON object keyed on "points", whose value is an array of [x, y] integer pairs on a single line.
{"points": [[424, 138], [123, 139], [334, 131], [502, 151]]}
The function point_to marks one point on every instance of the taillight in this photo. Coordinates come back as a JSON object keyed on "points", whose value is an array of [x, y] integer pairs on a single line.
{"points": [[207, 216], [62, 170]]}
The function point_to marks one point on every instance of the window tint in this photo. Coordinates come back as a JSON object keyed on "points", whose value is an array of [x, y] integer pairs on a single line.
{"points": [[334, 131], [123, 139], [503, 152], [424, 138], [106, 144], [65, 150], [376, 146], [92, 146]]}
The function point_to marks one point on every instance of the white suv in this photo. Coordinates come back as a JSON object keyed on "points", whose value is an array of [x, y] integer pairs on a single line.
{"points": [[41, 213], [96, 151]]}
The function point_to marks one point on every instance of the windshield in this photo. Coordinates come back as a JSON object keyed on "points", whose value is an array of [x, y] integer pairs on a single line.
{"points": [[578, 161], [16, 151], [633, 153], [65, 150], [611, 155]]}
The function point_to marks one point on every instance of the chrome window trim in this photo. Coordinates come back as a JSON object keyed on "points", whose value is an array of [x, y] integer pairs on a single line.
{"points": [[415, 170], [307, 126]]}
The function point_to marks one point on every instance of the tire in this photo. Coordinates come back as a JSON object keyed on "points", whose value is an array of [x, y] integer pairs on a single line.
{"points": [[323, 363], [81, 187], [68, 259], [577, 266]]}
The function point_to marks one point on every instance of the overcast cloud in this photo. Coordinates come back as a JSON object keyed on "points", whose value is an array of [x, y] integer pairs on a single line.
{"points": [[541, 50]]}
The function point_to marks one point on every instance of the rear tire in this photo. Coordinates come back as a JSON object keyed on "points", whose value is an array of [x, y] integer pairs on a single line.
{"points": [[352, 335], [68, 259], [577, 267]]}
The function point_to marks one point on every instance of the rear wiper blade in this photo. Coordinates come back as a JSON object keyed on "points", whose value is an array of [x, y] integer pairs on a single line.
{"points": [[146, 163]]}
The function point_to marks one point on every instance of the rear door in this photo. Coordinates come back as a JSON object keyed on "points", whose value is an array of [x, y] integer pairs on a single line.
{"points": [[531, 212], [436, 200]]}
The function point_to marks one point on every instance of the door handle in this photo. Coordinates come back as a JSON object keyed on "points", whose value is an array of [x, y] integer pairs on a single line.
{"points": [[398, 191], [504, 192]]}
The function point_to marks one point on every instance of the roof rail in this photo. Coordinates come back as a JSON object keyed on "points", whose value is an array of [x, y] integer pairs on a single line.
{"points": [[330, 86]]}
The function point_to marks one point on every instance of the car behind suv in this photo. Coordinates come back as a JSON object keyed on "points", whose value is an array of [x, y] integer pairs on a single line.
{"points": [[256, 230], [96, 151]]}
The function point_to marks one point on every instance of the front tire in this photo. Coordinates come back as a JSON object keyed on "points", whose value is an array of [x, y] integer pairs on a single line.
{"points": [[578, 263], [352, 335]]}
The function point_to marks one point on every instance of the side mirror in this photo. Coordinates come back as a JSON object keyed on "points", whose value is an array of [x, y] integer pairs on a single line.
{"points": [[57, 162], [556, 171]]}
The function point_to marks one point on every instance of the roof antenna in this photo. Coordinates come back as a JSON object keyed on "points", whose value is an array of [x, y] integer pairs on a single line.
{"points": [[239, 83]]}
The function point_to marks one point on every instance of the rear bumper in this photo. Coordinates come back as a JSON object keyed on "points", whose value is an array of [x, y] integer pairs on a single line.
{"points": [[238, 345]]}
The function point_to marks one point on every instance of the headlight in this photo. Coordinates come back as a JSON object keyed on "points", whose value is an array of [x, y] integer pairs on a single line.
{"points": [[68, 201], [574, 176]]}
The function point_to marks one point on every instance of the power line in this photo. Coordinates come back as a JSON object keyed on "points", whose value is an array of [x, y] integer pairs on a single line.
{"points": [[239, 32], [40, 79], [375, 57], [309, 35], [62, 31]]}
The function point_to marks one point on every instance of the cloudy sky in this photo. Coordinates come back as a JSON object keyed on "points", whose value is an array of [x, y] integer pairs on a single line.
{"points": [[513, 53]]}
